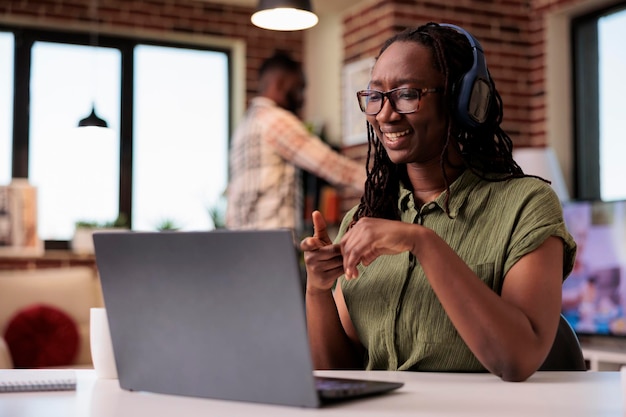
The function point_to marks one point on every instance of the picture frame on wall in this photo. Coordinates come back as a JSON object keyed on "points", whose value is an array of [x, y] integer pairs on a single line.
{"points": [[356, 76]]}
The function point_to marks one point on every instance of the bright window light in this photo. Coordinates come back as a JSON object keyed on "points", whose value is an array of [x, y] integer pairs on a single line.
{"points": [[6, 106], [180, 151], [612, 67], [75, 170]]}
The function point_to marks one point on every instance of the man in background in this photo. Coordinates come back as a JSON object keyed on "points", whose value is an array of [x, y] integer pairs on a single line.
{"points": [[269, 148]]}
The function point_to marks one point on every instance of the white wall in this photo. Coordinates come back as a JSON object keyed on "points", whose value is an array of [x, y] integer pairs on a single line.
{"points": [[323, 57]]}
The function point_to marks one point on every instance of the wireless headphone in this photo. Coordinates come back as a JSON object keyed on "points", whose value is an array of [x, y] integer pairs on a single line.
{"points": [[474, 89]]}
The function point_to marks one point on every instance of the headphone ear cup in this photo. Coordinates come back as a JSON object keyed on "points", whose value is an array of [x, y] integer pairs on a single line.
{"points": [[474, 89], [474, 101]]}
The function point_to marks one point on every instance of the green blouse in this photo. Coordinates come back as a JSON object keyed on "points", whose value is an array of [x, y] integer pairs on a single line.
{"points": [[491, 226]]}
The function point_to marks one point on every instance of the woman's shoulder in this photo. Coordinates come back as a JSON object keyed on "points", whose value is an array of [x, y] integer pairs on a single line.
{"points": [[512, 196], [519, 187]]}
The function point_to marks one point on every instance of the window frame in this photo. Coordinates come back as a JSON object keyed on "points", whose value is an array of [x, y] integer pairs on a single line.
{"points": [[586, 101], [25, 39]]}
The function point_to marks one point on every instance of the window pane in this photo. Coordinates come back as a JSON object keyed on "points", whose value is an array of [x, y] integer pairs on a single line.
{"points": [[180, 136], [612, 67], [6, 105], [75, 169]]}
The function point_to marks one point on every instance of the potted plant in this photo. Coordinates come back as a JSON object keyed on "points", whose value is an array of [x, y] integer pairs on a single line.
{"points": [[82, 241], [167, 225]]}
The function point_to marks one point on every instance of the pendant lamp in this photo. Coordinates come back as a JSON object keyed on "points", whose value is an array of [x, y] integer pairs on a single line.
{"points": [[93, 120], [284, 15]]}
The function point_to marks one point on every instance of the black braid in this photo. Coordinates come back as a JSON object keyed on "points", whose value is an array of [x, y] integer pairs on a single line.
{"points": [[486, 150], [382, 183]]}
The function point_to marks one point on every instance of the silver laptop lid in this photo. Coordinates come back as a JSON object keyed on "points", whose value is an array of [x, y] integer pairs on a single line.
{"points": [[211, 314]]}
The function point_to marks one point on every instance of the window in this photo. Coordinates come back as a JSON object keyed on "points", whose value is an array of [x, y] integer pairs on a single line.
{"points": [[163, 157], [75, 170], [612, 108], [179, 152], [6, 105], [599, 65]]}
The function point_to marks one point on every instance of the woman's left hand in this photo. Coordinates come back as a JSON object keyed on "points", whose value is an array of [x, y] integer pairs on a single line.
{"points": [[371, 237]]}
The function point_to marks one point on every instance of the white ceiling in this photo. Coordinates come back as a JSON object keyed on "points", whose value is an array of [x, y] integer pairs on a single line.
{"points": [[319, 6]]}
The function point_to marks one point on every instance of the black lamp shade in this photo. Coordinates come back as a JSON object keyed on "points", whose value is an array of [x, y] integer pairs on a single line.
{"points": [[93, 120], [292, 4]]}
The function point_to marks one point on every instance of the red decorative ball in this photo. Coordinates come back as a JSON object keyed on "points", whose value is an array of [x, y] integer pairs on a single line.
{"points": [[42, 336]]}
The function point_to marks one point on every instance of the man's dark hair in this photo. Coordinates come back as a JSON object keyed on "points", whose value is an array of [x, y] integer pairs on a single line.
{"points": [[279, 61]]}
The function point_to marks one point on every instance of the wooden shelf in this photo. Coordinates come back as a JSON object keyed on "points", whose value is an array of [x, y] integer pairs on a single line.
{"points": [[49, 259]]}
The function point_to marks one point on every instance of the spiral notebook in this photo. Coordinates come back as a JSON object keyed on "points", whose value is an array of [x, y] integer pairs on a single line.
{"points": [[24, 380]]}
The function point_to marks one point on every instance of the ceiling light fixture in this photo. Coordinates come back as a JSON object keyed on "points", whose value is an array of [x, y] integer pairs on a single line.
{"points": [[284, 15], [93, 119]]}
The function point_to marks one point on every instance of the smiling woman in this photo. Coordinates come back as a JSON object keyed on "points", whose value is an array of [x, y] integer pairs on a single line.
{"points": [[453, 259]]}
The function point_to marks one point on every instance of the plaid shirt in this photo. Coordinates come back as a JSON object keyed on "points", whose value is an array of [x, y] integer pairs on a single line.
{"points": [[267, 151]]}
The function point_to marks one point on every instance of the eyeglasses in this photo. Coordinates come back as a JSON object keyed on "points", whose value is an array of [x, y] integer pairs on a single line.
{"points": [[403, 100]]}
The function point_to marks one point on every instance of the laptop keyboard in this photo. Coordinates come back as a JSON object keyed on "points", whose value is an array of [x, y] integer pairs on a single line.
{"points": [[337, 387]]}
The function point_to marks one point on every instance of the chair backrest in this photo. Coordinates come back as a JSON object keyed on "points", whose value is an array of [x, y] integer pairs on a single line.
{"points": [[566, 354]]}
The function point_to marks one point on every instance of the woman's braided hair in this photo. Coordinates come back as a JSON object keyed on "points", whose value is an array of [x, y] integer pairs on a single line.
{"points": [[486, 150]]}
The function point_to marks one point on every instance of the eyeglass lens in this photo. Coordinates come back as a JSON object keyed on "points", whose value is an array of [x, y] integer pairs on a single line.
{"points": [[403, 100]]}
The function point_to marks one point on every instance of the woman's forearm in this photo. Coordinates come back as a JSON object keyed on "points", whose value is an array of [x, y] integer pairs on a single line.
{"points": [[330, 346]]}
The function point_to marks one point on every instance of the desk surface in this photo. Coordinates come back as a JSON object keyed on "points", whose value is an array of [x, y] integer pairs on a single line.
{"points": [[550, 394]]}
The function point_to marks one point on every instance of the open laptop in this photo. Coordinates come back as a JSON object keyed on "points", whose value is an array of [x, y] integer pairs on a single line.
{"points": [[215, 314]]}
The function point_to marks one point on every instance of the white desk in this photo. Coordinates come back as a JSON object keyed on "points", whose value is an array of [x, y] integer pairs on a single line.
{"points": [[550, 394]]}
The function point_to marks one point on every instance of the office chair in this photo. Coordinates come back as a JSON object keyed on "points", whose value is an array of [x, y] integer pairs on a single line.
{"points": [[565, 354]]}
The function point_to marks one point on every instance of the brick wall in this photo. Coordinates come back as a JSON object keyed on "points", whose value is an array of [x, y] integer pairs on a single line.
{"points": [[196, 17]]}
